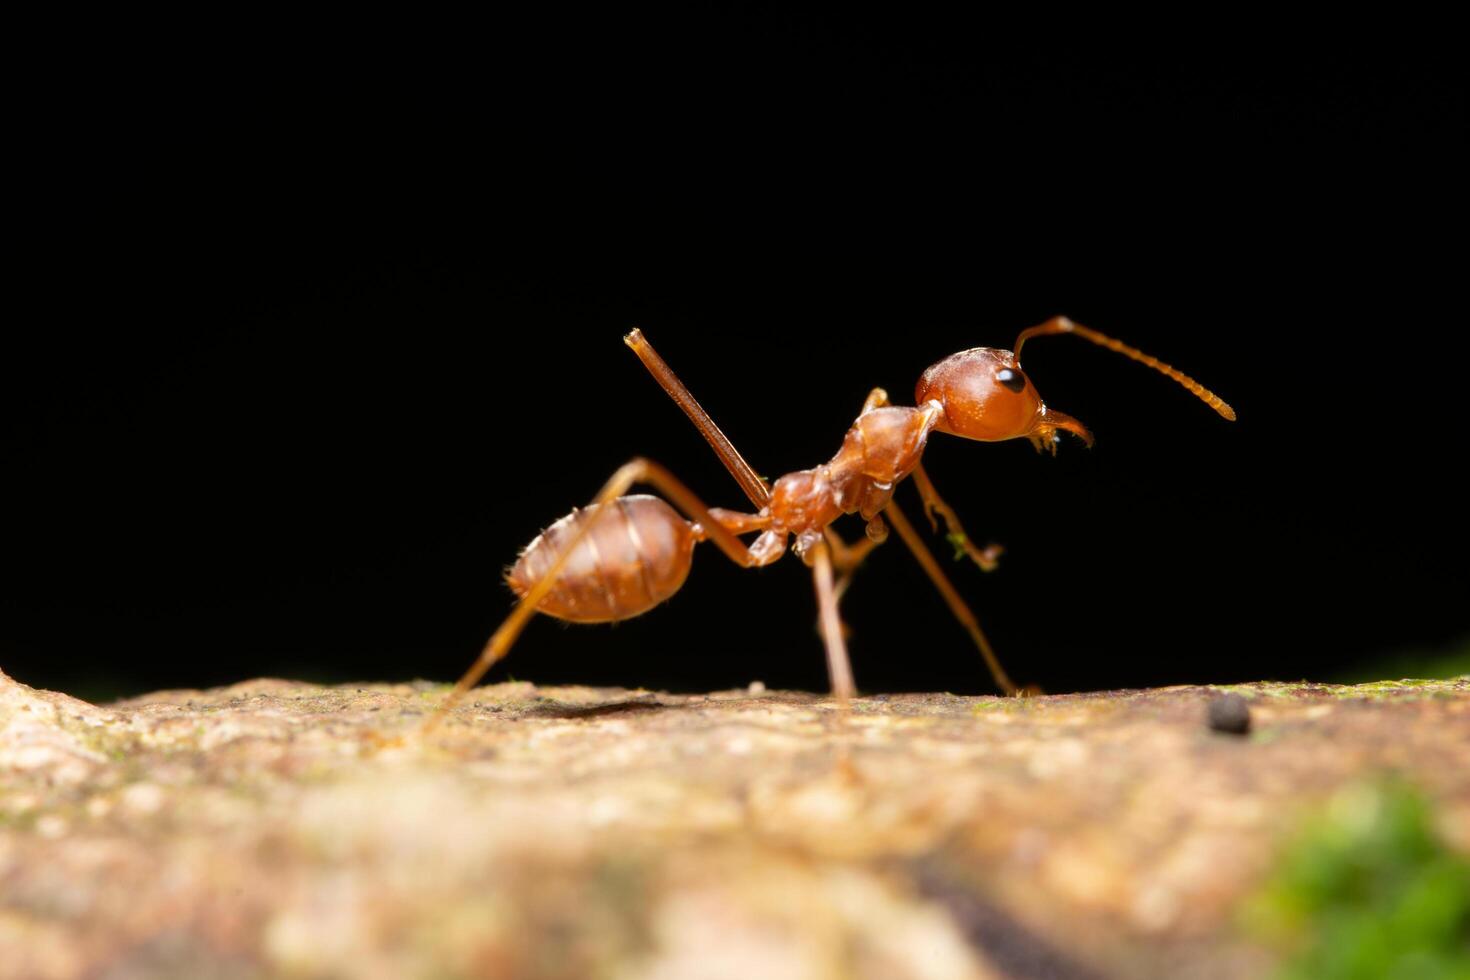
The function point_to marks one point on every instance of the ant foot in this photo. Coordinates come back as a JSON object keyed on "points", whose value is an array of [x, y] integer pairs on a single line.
{"points": [[988, 557]]}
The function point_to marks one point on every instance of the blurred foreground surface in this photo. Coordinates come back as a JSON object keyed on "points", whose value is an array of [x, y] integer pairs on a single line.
{"points": [[275, 828]]}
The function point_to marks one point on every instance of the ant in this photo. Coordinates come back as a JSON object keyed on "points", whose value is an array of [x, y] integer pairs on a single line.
{"points": [[622, 555]]}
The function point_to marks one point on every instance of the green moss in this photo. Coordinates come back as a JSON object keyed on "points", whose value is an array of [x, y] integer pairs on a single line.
{"points": [[1262, 689], [1381, 686], [957, 541], [1367, 890], [1447, 662], [1409, 689], [17, 820], [105, 742]]}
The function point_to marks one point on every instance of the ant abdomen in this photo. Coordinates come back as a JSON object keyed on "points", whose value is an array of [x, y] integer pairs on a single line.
{"points": [[635, 554]]}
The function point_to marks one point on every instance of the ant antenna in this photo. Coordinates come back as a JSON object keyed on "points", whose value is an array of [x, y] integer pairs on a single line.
{"points": [[1063, 325]]}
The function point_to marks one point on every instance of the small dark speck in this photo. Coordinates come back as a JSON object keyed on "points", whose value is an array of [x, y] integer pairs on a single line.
{"points": [[880, 697], [1229, 713]]}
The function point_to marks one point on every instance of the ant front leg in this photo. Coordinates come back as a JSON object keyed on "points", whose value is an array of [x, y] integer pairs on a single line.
{"points": [[934, 504]]}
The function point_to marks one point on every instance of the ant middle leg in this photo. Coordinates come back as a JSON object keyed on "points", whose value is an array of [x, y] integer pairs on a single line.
{"points": [[848, 558], [934, 504], [839, 666]]}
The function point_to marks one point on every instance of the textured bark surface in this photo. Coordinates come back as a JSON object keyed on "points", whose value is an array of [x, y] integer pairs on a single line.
{"points": [[278, 828]]}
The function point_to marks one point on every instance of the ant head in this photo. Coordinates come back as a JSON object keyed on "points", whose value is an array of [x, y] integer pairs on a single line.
{"points": [[986, 396]]}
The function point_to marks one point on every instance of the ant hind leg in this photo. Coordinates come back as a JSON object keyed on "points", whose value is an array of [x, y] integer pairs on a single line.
{"points": [[638, 470]]}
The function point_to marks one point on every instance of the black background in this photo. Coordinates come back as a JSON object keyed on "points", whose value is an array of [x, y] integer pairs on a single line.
{"points": [[310, 334]]}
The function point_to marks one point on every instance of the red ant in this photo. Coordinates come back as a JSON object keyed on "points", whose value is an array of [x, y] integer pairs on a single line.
{"points": [[623, 555]]}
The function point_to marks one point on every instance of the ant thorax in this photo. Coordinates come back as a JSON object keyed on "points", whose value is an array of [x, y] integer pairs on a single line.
{"points": [[882, 447]]}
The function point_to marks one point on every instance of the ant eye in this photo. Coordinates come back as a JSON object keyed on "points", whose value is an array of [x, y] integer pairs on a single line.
{"points": [[1013, 380]]}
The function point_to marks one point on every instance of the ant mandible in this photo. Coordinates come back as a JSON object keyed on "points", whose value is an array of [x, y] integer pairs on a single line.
{"points": [[622, 555]]}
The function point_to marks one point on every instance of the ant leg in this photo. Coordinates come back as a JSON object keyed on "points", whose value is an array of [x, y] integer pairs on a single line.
{"points": [[877, 398], [934, 504], [839, 668], [985, 558], [754, 486], [737, 523], [951, 595], [847, 557], [763, 552]]}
